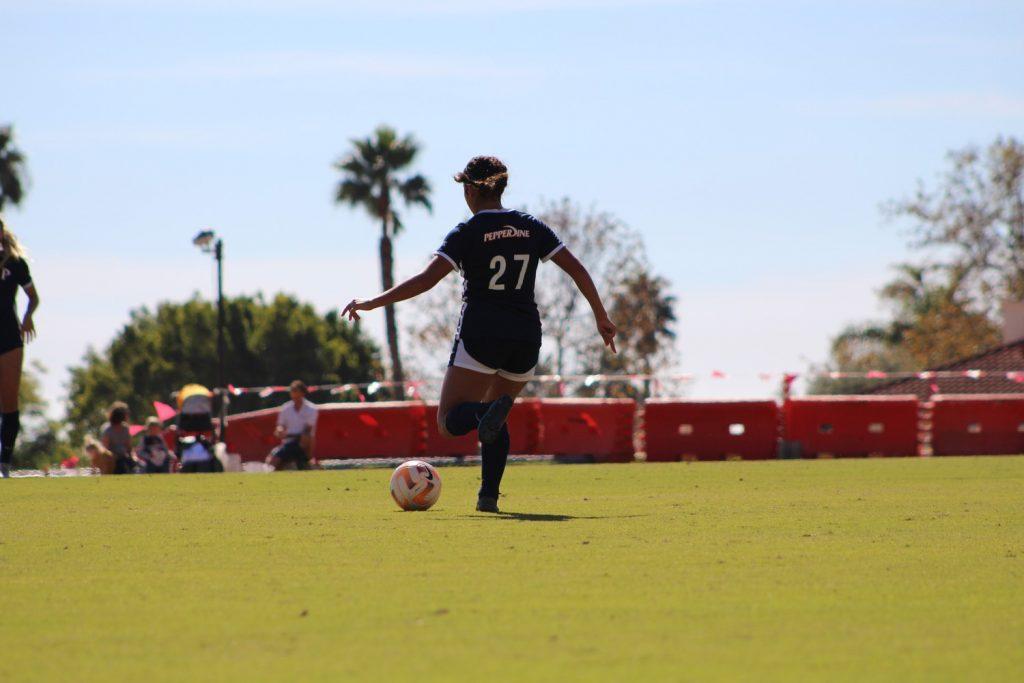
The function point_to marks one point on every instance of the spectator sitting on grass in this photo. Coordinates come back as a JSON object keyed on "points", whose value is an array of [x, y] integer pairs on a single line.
{"points": [[295, 426], [117, 439], [152, 451], [99, 457]]}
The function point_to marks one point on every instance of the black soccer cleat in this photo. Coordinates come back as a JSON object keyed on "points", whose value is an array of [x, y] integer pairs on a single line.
{"points": [[494, 419], [485, 504]]}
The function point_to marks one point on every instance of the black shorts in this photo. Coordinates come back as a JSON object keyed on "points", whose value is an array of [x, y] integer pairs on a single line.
{"points": [[509, 358], [10, 338]]}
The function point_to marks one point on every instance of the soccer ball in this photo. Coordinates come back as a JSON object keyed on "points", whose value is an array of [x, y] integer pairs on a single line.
{"points": [[415, 485]]}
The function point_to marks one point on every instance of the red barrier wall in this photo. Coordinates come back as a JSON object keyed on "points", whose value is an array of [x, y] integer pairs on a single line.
{"points": [[984, 424], [598, 428], [849, 426], [524, 426], [710, 430], [251, 435], [343, 430]]}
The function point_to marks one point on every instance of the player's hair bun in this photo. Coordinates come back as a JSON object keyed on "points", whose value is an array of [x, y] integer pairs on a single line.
{"points": [[485, 173]]}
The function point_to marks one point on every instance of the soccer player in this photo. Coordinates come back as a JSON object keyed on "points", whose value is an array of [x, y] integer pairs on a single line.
{"points": [[14, 334], [497, 340]]}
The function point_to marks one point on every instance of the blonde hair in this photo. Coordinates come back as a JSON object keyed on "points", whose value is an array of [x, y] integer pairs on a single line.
{"points": [[11, 246]]}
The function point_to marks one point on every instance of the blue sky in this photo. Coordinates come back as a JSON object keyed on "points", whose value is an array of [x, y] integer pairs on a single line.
{"points": [[750, 142]]}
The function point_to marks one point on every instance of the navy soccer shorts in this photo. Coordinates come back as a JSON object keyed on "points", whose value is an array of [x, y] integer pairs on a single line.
{"points": [[509, 358]]}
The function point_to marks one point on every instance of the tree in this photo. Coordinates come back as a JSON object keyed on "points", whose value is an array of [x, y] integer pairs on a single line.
{"points": [[159, 351], [934, 322], [937, 322], [646, 314], [970, 233], [12, 169], [611, 252], [972, 223], [369, 181], [637, 300], [41, 442]]}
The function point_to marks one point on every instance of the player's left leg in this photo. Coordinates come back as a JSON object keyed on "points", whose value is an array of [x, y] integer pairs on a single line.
{"points": [[10, 421]]}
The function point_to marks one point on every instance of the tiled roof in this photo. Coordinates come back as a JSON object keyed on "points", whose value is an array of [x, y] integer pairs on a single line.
{"points": [[1005, 358]]}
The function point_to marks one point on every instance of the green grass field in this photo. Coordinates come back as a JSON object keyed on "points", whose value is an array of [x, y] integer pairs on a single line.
{"points": [[903, 569]]}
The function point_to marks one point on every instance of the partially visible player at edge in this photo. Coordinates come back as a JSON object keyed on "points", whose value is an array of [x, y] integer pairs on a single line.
{"points": [[14, 334], [497, 341]]}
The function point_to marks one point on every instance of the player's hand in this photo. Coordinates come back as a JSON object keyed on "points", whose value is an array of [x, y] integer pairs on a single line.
{"points": [[28, 329], [354, 306], [607, 330]]}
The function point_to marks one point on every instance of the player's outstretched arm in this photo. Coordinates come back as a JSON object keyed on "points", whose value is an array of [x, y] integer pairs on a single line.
{"points": [[414, 286], [572, 266]]}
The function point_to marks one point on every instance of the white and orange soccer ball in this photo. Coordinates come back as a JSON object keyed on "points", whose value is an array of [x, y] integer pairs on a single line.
{"points": [[415, 485]]}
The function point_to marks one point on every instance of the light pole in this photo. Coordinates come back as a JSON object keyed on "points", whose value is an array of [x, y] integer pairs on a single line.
{"points": [[209, 243]]}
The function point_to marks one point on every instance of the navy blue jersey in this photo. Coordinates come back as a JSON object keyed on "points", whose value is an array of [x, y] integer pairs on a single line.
{"points": [[13, 274], [498, 252]]}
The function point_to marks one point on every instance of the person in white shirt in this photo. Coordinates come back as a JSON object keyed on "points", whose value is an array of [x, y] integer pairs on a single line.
{"points": [[296, 424]]}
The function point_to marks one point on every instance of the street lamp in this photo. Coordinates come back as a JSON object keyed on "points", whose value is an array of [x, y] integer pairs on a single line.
{"points": [[209, 243]]}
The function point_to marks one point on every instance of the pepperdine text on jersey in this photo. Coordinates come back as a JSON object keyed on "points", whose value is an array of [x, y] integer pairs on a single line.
{"points": [[509, 231]]}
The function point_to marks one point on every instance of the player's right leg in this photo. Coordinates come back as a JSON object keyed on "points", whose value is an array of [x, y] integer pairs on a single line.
{"points": [[461, 406]]}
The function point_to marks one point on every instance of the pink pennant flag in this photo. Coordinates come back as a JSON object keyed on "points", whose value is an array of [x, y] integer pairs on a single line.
{"points": [[717, 374], [934, 388], [135, 429], [1015, 377], [877, 374], [163, 411]]}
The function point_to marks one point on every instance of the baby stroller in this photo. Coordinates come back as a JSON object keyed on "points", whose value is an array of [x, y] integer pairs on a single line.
{"points": [[195, 430]]}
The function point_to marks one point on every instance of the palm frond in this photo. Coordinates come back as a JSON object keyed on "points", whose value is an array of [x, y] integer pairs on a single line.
{"points": [[401, 153], [12, 169], [354, 193], [416, 190]]}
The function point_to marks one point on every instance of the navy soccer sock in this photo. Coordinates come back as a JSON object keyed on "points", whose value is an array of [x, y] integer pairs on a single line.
{"points": [[465, 417], [9, 428], [495, 455]]}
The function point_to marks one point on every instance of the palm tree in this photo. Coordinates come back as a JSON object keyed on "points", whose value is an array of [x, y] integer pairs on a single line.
{"points": [[12, 170], [646, 312], [369, 179]]}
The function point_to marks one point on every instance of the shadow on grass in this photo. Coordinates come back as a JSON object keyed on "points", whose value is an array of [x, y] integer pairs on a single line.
{"points": [[539, 517]]}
